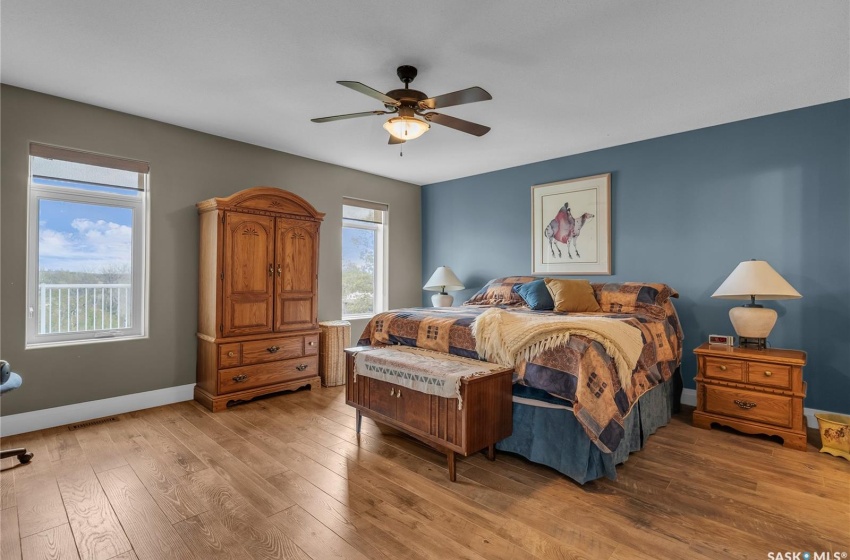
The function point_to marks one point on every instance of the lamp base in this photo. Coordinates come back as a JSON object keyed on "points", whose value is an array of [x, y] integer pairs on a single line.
{"points": [[748, 342], [752, 323], [442, 300]]}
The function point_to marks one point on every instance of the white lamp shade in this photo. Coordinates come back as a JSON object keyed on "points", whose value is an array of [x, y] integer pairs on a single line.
{"points": [[755, 279], [406, 128], [443, 280]]}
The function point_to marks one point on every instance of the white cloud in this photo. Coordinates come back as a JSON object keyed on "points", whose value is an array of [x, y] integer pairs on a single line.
{"points": [[91, 247]]}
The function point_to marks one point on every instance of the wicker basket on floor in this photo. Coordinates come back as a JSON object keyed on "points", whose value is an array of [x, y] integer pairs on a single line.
{"points": [[334, 337]]}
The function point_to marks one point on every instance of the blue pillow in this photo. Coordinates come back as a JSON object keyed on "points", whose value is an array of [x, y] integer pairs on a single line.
{"points": [[536, 295]]}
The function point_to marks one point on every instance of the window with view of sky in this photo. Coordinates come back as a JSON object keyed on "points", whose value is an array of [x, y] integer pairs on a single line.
{"points": [[86, 247], [363, 259]]}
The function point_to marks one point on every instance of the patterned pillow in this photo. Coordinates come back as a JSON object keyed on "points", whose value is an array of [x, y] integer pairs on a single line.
{"points": [[500, 291], [634, 297]]}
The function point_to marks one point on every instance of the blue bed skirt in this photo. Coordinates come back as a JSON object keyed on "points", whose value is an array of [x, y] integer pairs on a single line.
{"points": [[553, 436]]}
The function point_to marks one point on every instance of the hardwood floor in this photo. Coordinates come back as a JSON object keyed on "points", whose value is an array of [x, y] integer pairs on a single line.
{"points": [[285, 477]]}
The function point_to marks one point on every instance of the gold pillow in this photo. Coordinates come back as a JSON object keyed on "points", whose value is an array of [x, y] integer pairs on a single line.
{"points": [[572, 295]]}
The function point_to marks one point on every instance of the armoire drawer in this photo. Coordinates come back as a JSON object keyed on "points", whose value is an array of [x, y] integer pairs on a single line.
{"points": [[235, 354], [248, 377], [272, 349], [311, 345], [229, 355]]}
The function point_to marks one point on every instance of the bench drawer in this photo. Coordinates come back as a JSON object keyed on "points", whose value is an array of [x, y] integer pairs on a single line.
{"points": [[382, 396]]}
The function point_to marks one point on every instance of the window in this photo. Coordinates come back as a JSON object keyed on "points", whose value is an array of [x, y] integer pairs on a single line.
{"points": [[364, 261], [86, 254]]}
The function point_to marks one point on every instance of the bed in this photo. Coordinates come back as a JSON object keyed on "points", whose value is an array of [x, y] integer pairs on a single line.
{"points": [[573, 408]]}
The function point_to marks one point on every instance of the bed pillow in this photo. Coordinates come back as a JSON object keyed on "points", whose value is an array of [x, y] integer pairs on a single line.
{"points": [[499, 291], [634, 297], [572, 295], [536, 295]]}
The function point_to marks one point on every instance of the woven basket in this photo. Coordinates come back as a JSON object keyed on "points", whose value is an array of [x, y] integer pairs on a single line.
{"points": [[334, 337]]}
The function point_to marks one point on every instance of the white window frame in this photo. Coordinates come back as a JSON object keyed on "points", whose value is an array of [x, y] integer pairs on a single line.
{"points": [[139, 205], [380, 302]]}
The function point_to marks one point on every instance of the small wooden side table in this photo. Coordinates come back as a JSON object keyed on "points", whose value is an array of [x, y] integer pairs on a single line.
{"points": [[753, 391]]}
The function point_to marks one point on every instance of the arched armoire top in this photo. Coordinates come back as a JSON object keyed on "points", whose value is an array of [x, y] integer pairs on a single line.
{"points": [[262, 200]]}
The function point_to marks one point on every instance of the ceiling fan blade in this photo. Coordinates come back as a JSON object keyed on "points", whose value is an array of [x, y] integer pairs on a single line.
{"points": [[349, 116], [394, 140], [458, 124], [371, 92], [469, 95]]}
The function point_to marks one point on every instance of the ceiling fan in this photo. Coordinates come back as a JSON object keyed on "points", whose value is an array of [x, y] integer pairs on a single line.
{"points": [[415, 109]]}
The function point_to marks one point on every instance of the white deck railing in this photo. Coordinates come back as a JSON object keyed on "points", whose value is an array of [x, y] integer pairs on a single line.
{"points": [[65, 308]]}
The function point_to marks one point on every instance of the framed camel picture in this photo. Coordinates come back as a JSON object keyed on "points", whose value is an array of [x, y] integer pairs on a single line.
{"points": [[571, 226]]}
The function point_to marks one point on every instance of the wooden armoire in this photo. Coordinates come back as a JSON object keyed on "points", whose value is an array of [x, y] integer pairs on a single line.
{"points": [[258, 329]]}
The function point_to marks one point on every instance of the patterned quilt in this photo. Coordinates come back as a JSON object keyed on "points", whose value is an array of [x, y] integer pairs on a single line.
{"points": [[578, 371]]}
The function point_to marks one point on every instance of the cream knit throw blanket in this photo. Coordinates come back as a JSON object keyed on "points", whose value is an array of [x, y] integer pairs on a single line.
{"points": [[509, 338]]}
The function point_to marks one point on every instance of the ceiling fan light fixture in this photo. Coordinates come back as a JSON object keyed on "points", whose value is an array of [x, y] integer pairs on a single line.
{"points": [[406, 128]]}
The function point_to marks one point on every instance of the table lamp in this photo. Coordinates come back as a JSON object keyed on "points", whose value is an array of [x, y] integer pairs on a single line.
{"points": [[754, 280], [443, 279]]}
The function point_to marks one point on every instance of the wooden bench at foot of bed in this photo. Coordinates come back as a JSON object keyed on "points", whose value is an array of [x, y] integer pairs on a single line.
{"points": [[485, 418]]}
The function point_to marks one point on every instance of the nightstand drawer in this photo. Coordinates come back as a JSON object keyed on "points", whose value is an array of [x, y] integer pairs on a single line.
{"points": [[749, 405], [718, 368], [772, 375]]}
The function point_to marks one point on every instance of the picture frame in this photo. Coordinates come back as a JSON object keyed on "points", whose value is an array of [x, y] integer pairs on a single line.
{"points": [[571, 226]]}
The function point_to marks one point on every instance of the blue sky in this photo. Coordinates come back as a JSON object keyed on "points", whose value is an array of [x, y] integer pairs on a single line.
{"points": [[83, 237]]}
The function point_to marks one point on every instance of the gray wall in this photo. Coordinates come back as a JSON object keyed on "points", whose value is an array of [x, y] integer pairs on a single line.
{"points": [[686, 209], [186, 167]]}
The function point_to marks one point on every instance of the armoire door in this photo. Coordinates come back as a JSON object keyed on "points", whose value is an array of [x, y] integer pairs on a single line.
{"points": [[248, 274], [296, 283]]}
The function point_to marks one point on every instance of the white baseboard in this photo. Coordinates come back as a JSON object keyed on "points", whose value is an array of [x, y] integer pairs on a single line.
{"points": [[689, 397], [61, 415]]}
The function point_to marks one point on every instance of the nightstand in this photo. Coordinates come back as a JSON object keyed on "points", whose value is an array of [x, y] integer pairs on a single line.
{"points": [[753, 391]]}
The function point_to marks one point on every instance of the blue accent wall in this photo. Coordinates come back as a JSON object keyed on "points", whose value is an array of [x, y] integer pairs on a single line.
{"points": [[686, 209]]}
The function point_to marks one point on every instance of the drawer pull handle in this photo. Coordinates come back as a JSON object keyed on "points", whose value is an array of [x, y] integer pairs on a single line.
{"points": [[272, 349], [312, 343], [398, 394], [722, 368], [231, 354], [278, 271], [392, 391], [768, 373], [240, 378], [301, 367], [746, 405], [271, 270]]}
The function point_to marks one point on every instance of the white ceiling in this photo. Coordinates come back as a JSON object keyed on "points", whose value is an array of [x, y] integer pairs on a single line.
{"points": [[566, 76]]}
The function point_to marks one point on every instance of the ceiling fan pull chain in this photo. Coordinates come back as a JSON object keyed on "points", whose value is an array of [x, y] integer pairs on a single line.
{"points": [[401, 150]]}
